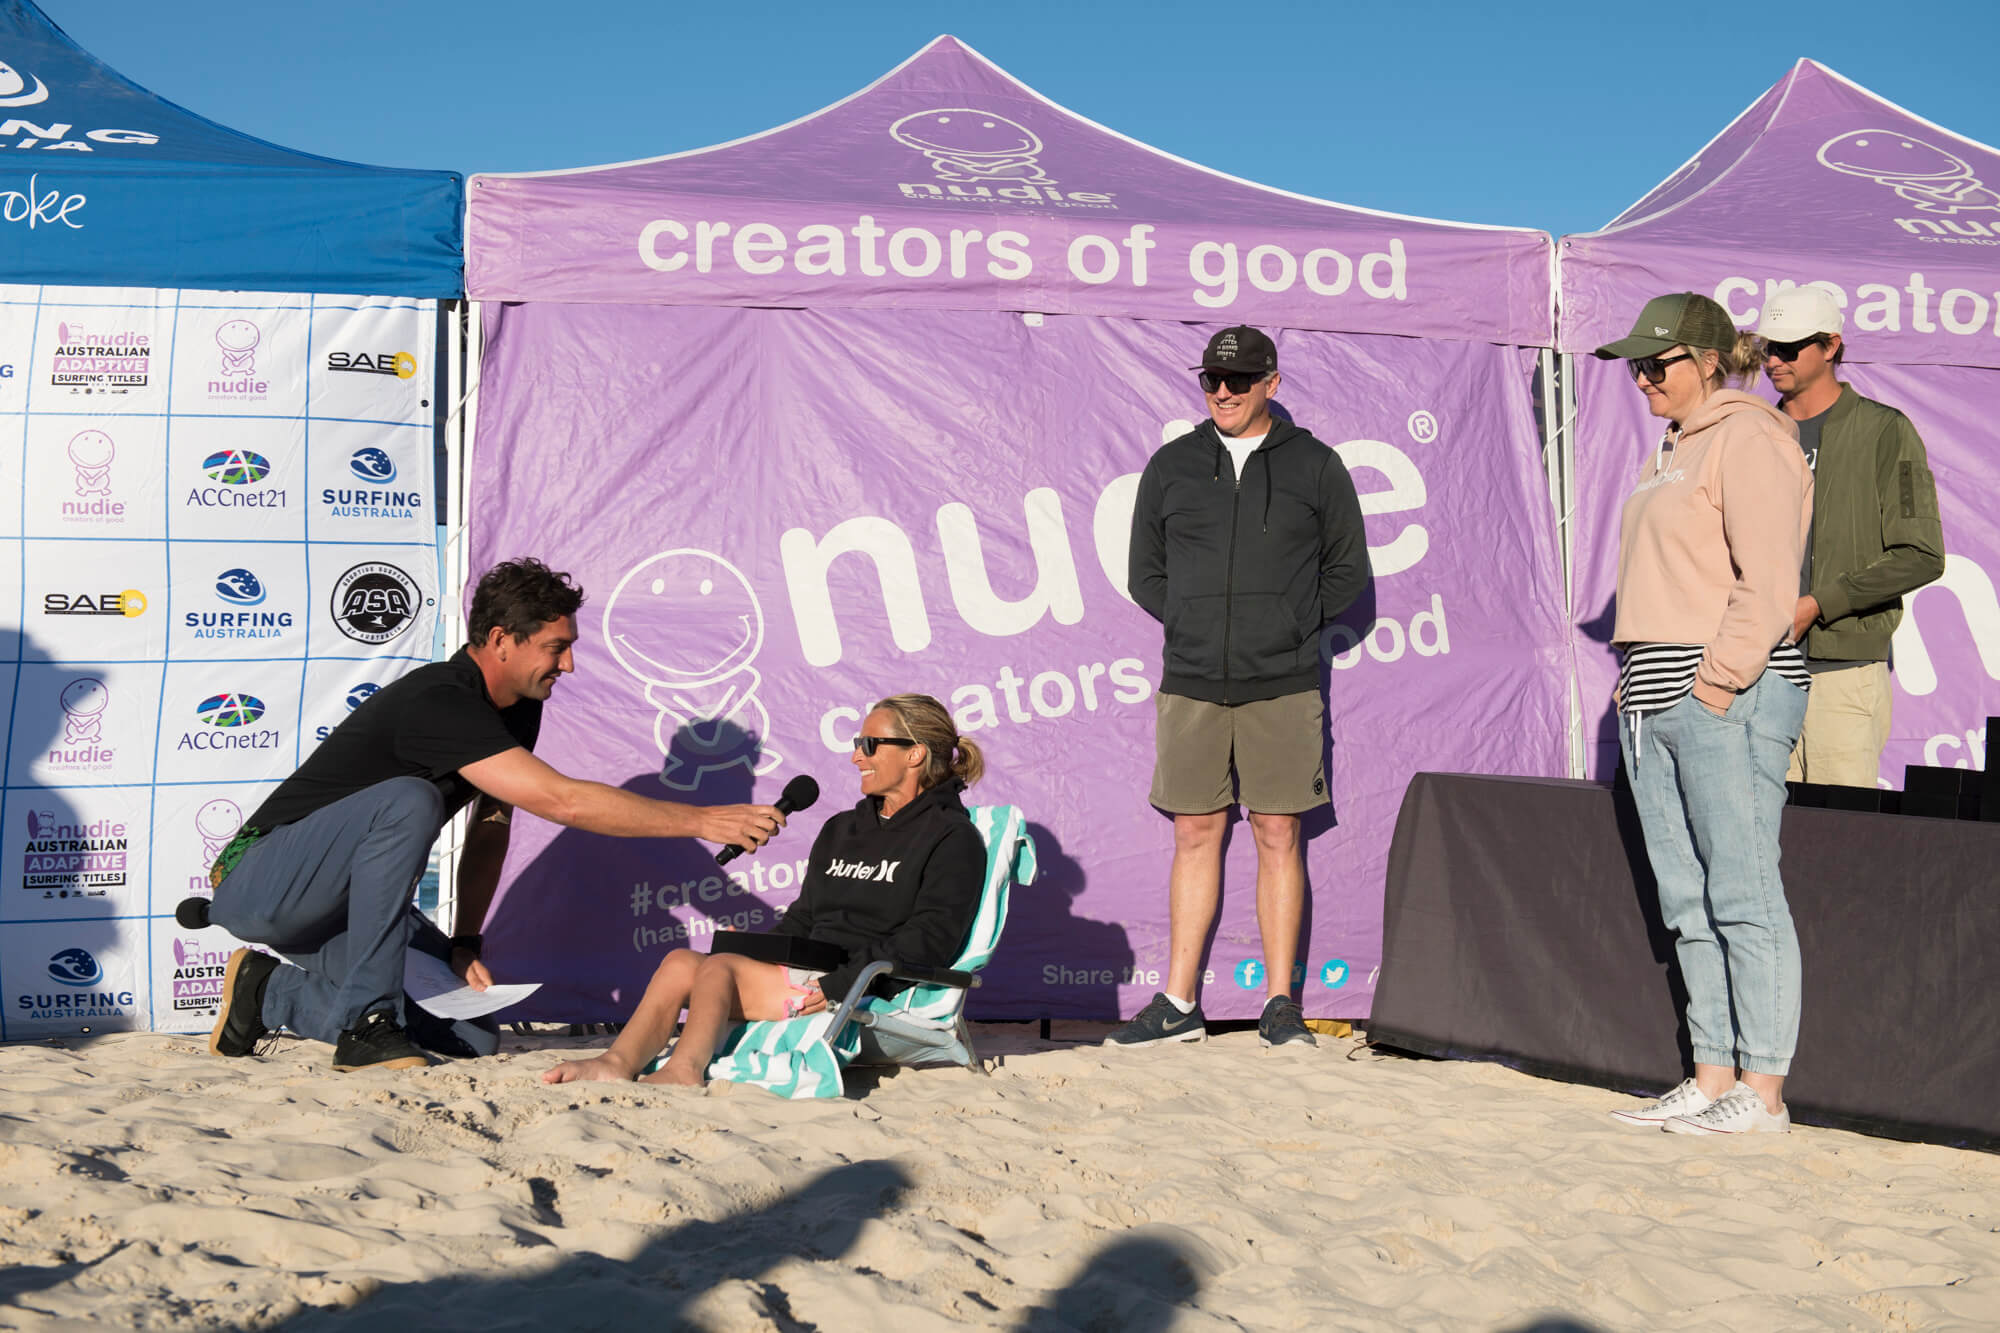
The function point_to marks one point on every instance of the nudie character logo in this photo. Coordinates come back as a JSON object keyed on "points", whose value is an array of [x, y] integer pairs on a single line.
{"points": [[216, 823], [973, 147], [1922, 174], [687, 625]]}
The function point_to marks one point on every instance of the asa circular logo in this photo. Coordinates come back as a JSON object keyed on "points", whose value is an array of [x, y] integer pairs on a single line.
{"points": [[239, 587], [75, 967], [1250, 974], [374, 602], [230, 709], [372, 464], [236, 467]]}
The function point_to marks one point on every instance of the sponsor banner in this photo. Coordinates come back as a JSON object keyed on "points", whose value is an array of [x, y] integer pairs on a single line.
{"points": [[242, 359], [188, 967], [191, 826], [66, 978], [95, 601], [335, 689], [1946, 653], [969, 541], [94, 476], [176, 569], [72, 852], [228, 721], [237, 480], [370, 483], [103, 359], [238, 600], [375, 363], [381, 605], [17, 337], [84, 724]]}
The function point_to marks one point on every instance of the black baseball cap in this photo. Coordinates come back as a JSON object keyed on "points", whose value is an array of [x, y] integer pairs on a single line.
{"points": [[1241, 349]]}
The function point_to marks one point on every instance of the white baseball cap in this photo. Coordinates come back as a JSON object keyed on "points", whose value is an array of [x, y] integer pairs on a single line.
{"points": [[1797, 313]]}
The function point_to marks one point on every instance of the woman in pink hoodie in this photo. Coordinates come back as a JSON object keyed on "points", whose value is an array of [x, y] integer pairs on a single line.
{"points": [[1711, 695]]}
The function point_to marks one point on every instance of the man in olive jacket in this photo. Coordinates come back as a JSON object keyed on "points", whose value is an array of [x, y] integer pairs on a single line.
{"points": [[1246, 540], [1875, 538]]}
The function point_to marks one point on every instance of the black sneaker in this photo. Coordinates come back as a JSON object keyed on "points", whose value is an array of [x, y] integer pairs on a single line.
{"points": [[1161, 1020], [377, 1042], [241, 1020], [1283, 1024]]}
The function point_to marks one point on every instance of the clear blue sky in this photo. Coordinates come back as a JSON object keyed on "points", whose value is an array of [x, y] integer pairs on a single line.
{"points": [[1541, 116]]}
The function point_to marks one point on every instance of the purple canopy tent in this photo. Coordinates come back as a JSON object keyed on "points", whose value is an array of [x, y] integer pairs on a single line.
{"points": [[1820, 181], [859, 405]]}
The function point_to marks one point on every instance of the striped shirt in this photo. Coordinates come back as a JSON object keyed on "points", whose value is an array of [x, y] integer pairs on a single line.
{"points": [[1656, 676]]}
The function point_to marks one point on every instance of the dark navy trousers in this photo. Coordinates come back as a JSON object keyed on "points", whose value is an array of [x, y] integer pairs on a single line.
{"points": [[332, 893]]}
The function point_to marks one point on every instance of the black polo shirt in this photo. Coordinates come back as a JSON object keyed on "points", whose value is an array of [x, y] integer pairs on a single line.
{"points": [[429, 724]]}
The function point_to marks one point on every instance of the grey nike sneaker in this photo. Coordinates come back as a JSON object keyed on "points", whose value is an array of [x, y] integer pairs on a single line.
{"points": [[1160, 1021], [1283, 1024]]}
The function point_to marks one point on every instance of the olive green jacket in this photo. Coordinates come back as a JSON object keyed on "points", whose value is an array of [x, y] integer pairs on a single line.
{"points": [[1875, 529]]}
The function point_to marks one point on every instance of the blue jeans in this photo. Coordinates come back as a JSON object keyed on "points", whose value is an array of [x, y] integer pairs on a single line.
{"points": [[332, 893], [1710, 791]]}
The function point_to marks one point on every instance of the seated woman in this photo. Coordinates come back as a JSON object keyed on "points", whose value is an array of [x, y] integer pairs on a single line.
{"points": [[925, 868]]}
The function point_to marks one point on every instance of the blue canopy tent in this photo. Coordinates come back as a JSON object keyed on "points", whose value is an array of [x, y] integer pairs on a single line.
{"points": [[107, 184], [224, 390]]}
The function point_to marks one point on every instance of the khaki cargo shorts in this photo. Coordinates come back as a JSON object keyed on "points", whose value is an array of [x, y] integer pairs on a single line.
{"points": [[1277, 748]]}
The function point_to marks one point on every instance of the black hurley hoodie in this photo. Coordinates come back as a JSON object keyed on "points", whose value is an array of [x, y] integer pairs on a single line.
{"points": [[1244, 571], [904, 888]]}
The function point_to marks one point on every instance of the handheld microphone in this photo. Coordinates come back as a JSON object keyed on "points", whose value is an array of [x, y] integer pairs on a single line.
{"points": [[799, 794], [192, 913]]}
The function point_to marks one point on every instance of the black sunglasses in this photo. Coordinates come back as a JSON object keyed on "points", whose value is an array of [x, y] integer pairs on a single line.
{"points": [[1788, 352], [1654, 368], [1238, 382], [867, 744]]}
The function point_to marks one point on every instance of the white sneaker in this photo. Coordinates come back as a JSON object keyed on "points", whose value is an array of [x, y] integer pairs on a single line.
{"points": [[1738, 1111], [1686, 1099]]}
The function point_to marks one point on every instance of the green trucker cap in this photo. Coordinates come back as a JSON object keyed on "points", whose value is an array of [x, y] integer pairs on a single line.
{"points": [[1684, 319]]}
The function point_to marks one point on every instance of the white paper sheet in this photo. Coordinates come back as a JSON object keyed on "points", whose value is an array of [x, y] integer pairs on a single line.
{"points": [[437, 988]]}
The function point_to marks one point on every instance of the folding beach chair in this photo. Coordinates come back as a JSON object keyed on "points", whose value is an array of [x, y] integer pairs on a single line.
{"points": [[803, 1057]]}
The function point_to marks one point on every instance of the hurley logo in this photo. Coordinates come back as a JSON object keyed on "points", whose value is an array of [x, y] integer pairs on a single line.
{"points": [[884, 871]]}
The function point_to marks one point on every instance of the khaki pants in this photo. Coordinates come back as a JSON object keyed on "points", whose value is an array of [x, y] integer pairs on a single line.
{"points": [[1847, 724]]}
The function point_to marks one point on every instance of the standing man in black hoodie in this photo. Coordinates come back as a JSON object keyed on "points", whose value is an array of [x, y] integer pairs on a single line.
{"points": [[1246, 540]]}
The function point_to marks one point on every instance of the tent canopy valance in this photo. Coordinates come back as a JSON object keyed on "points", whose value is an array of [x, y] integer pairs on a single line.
{"points": [[949, 184], [106, 184]]}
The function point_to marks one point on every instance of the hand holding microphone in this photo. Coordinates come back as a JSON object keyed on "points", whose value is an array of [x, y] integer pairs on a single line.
{"points": [[799, 794]]}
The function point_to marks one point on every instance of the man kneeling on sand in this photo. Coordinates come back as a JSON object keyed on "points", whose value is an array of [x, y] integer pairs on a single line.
{"points": [[898, 877], [323, 871]]}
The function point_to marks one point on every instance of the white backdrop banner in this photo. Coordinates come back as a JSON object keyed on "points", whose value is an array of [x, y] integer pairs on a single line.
{"points": [[217, 508]]}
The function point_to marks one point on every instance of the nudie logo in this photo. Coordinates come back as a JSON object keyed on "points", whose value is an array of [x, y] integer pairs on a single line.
{"points": [[982, 155], [1934, 181]]}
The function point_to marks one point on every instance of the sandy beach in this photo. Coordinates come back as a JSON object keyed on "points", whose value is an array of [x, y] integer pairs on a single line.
{"points": [[145, 1183]]}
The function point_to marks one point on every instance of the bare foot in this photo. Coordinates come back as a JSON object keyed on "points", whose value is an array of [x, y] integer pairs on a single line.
{"points": [[601, 1069], [673, 1076]]}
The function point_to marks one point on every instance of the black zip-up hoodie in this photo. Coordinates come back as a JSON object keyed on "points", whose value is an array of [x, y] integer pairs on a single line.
{"points": [[1244, 571], [904, 888]]}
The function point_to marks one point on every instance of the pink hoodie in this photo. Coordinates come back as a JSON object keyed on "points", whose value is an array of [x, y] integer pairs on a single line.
{"points": [[1711, 540]]}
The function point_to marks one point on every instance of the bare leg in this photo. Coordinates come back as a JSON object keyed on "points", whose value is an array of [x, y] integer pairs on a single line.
{"points": [[1771, 1087], [726, 986], [1194, 886], [1714, 1080], [1281, 896], [646, 1034]]}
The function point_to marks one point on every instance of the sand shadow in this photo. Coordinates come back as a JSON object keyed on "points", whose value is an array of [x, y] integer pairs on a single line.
{"points": [[78, 887], [1138, 1283], [821, 1220]]}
